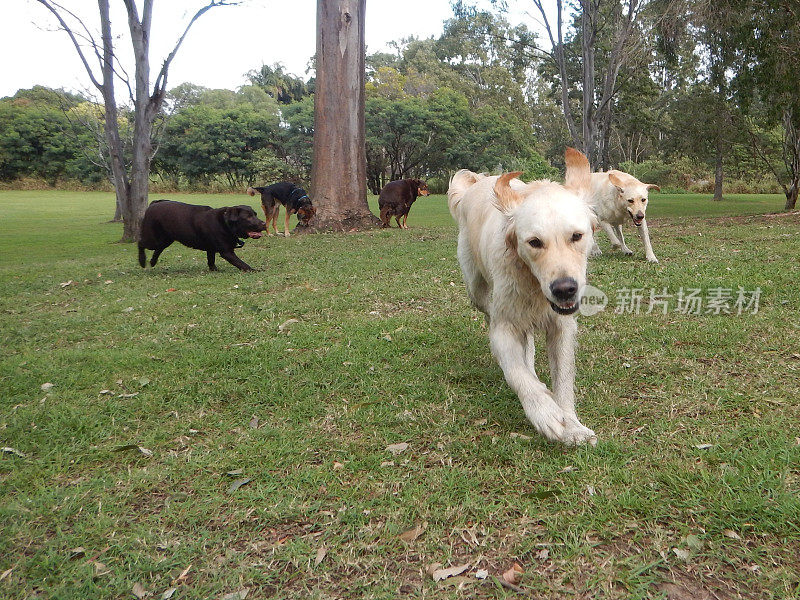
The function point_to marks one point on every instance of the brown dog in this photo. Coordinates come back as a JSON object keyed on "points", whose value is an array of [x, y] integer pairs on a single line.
{"points": [[199, 227], [397, 197]]}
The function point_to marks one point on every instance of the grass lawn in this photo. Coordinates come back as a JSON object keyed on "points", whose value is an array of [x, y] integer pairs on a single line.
{"points": [[210, 433]]}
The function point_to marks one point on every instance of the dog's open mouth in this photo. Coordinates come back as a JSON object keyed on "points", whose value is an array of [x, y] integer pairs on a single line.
{"points": [[637, 222], [254, 234], [565, 308]]}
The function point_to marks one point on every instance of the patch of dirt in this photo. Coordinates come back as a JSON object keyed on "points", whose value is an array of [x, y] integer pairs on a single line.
{"points": [[687, 587]]}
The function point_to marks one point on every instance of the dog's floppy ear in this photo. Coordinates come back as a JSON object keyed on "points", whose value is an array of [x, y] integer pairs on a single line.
{"points": [[506, 199], [230, 216], [652, 186], [617, 183], [579, 173]]}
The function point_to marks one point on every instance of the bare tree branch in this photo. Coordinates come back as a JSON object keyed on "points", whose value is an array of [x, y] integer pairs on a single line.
{"points": [[68, 30]]}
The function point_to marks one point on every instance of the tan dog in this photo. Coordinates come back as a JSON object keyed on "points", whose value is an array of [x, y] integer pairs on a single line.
{"points": [[523, 251], [617, 197]]}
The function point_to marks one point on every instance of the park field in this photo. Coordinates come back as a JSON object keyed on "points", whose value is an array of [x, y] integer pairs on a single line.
{"points": [[272, 434]]}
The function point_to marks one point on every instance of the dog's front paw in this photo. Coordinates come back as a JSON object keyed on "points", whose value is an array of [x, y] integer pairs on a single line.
{"points": [[652, 259], [576, 434], [627, 251]]}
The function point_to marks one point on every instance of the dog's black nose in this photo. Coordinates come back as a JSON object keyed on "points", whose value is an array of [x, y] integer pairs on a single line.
{"points": [[564, 289], [640, 216]]}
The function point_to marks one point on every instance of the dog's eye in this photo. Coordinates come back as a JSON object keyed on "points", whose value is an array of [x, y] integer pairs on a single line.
{"points": [[576, 237], [644, 200], [536, 243], [630, 200]]}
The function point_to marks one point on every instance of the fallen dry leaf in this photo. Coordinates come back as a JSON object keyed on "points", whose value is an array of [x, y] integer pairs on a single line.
{"points": [[520, 436], [703, 446], [440, 574], [66, 283], [138, 590], [104, 392], [240, 595], [254, 422], [133, 395], [78, 552], [432, 568], [730, 533], [321, 553], [99, 568], [286, 324], [481, 574], [168, 593], [337, 465], [682, 554], [6, 573], [10, 450], [543, 554], [182, 576], [413, 533], [397, 448], [238, 483], [387, 463], [46, 387], [514, 574]]}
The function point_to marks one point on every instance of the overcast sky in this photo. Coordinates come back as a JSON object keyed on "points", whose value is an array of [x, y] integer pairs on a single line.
{"points": [[220, 48]]}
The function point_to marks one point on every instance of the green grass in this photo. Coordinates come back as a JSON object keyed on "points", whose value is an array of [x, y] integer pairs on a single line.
{"points": [[386, 349]]}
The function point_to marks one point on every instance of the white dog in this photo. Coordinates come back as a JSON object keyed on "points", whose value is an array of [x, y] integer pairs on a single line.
{"points": [[523, 251], [616, 196]]}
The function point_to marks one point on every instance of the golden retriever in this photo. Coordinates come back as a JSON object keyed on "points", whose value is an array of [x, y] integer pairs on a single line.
{"points": [[523, 250], [616, 196]]}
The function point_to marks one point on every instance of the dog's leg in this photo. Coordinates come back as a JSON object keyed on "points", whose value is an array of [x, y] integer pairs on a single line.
{"points": [[612, 236], [211, 256], [625, 249], [156, 253], [267, 217], [561, 342], [142, 256], [405, 219], [286, 224], [397, 218], [549, 419], [644, 233], [235, 260], [385, 217], [275, 212]]}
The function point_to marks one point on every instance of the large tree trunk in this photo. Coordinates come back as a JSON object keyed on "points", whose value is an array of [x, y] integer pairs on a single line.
{"points": [[718, 173], [791, 197], [338, 175], [111, 126]]}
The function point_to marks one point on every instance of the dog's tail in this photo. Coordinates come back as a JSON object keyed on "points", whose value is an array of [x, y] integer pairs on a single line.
{"points": [[459, 184], [251, 191], [579, 173]]}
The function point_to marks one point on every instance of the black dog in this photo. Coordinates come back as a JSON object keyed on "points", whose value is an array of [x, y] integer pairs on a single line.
{"points": [[397, 197], [200, 227], [294, 199]]}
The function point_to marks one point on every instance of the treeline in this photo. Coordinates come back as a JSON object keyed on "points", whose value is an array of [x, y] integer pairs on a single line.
{"points": [[482, 95]]}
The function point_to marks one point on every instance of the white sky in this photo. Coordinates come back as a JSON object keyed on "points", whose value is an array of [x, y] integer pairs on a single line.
{"points": [[221, 47]]}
